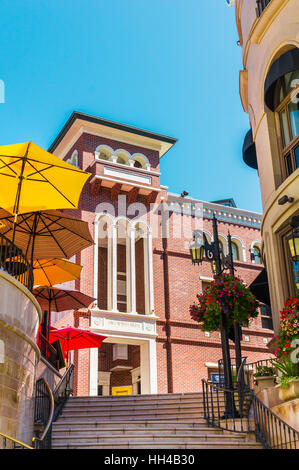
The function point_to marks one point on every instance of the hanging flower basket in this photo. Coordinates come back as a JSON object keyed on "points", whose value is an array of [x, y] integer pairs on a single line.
{"points": [[226, 294], [289, 328]]}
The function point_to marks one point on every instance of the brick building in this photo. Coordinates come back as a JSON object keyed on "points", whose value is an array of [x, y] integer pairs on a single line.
{"points": [[139, 270]]}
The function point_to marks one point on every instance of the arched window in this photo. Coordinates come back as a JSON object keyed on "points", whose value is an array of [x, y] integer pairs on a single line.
{"points": [[235, 251], [137, 164], [140, 161], [287, 107], [74, 158], [256, 255], [104, 153], [123, 270], [122, 157]]}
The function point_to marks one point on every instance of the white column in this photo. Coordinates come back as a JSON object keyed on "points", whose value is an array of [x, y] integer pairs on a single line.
{"points": [[132, 270], [112, 268], [96, 263], [128, 273], [148, 367], [148, 274], [93, 372]]}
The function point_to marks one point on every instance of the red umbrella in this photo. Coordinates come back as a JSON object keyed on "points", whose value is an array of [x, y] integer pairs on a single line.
{"points": [[73, 338]]}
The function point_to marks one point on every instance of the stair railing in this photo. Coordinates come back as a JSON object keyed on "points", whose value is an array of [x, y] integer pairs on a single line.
{"points": [[8, 442], [48, 406], [272, 431], [63, 391], [215, 400], [43, 413], [247, 414]]}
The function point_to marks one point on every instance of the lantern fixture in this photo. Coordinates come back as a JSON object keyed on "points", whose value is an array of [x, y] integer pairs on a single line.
{"points": [[197, 248], [293, 241]]}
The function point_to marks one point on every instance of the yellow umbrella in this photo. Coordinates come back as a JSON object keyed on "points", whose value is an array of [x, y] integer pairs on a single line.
{"points": [[33, 179], [48, 272]]}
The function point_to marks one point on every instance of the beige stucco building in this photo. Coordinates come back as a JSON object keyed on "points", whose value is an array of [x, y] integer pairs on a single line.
{"points": [[269, 90]]}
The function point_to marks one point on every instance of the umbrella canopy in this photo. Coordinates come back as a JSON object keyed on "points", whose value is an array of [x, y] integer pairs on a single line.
{"points": [[73, 338], [48, 272], [33, 179], [46, 234], [58, 300]]}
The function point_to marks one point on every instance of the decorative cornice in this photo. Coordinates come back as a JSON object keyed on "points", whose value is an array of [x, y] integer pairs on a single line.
{"points": [[232, 215]]}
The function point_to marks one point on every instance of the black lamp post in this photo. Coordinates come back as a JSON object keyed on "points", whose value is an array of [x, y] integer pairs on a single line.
{"points": [[219, 263]]}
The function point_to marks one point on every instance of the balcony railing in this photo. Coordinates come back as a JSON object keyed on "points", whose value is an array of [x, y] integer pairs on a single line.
{"points": [[15, 263], [261, 5]]}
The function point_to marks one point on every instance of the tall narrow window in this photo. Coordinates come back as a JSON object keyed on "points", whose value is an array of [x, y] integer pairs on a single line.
{"points": [[235, 251], [266, 316], [287, 106], [256, 255], [122, 247]]}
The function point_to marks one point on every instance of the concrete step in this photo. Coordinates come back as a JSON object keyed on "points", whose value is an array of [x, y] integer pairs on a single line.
{"points": [[160, 396], [161, 445], [137, 421], [165, 421], [132, 408], [181, 435], [139, 415], [148, 403], [115, 428], [63, 433], [133, 439], [120, 403]]}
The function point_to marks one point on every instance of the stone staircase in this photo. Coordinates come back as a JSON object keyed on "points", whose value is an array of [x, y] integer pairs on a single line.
{"points": [[171, 421]]}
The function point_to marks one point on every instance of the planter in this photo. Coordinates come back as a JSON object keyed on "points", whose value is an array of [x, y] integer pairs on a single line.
{"points": [[266, 381], [291, 392]]}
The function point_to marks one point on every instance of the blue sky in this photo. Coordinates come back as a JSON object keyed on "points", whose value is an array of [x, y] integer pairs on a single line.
{"points": [[169, 66]]}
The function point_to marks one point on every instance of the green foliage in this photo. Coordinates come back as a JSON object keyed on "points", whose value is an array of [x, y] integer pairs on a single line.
{"points": [[264, 371], [287, 368], [284, 382]]}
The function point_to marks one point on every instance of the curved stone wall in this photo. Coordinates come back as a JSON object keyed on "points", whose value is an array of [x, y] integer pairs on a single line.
{"points": [[20, 316]]}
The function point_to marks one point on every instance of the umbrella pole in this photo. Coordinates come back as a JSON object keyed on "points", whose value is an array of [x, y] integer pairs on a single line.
{"points": [[67, 350], [18, 195], [33, 236], [49, 315]]}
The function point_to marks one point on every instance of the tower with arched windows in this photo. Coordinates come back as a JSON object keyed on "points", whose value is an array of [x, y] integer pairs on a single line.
{"points": [[139, 271]]}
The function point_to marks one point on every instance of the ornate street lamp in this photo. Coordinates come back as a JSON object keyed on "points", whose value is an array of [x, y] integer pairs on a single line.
{"points": [[196, 249], [219, 262]]}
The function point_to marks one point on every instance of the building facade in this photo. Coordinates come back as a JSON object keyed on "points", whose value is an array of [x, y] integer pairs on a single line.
{"points": [[20, 318], [139, 270], [269, 90]]}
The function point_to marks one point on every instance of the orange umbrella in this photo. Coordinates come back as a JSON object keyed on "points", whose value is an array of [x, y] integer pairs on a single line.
{"points": [[48, 272]]}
